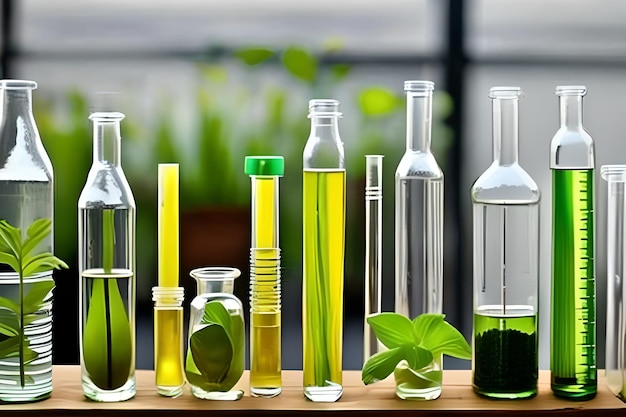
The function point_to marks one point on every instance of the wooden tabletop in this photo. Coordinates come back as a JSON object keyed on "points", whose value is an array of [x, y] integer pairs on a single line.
{"points": [[456, 399]]}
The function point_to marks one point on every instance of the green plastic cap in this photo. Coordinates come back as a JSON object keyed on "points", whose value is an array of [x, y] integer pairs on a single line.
{"points": [[265, 165]]}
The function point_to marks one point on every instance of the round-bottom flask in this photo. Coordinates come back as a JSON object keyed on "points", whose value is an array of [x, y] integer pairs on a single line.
{"points": [[215, 354]]}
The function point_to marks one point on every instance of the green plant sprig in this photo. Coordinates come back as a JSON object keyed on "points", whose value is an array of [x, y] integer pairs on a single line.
{"points": [[18, 254], [417, 342]]}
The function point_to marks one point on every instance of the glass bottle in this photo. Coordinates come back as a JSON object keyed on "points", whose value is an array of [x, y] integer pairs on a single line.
{"points": [[373, 248], [505, 203], [615, 364], [324, 211], [26, 194], [215, 354], [418, 228], [106, 262], [573, 342], [265, 305]]}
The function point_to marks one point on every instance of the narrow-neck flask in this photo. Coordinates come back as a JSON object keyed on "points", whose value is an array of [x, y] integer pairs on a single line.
{"points": [[106, 233], [265, 305], [505, 202], [573, 318], [418, 211], [324, 206], [26, 195]]}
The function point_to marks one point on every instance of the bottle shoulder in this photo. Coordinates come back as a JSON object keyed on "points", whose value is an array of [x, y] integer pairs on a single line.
{"points": [[572, 149], [505, 184], [106, 186], [418, 165], [323, 154]]}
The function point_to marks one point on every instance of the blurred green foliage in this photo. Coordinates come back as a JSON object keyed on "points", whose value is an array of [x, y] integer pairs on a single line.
{"points": [[248, 114]]}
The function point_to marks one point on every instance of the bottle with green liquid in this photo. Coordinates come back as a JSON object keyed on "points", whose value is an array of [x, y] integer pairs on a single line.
{"points": [[106, 238], [573, 318], [324, 206]]}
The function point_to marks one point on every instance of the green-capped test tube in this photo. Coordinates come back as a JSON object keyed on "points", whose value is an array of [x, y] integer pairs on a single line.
{"points": [[265, 362], [573, 318]]}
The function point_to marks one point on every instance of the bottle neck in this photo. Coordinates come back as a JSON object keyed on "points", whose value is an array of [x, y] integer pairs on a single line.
{"points": [[325, 128], [17, 109], [418, 121], [107, 142], [213, 286], [571, 111], [505, 131]]}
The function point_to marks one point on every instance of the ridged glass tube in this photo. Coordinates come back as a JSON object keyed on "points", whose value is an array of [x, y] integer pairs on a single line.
{"points": [[573, 319], [106, 240], [324, 211], [265, 306], [615, 363], [373, 248]]}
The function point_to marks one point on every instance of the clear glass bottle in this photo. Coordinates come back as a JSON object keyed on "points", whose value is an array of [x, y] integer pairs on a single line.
{"points": [[324, 211], [505, 203], [265, 305], [26, 193], [373, 249], [215, 354], [419, 211], [615, 362], [573, 318], [419, 226], [106, 262]]}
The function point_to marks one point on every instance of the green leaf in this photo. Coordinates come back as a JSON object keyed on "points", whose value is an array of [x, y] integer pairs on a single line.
{"points": [[41, 263], [9, 326], [9, 305], [10, 260], [392, 329], [377, 101], [300, 63], [340, 71], [439, 336], [10, 239], [408, 378], [212, 354], [254, 55], [36, 233], [418, 357], [380, 365], [10, 347], [215, 312], [237, 364], [36, 294]]}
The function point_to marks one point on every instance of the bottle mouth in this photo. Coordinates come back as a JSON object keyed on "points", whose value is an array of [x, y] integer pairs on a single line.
{"points": [[324, 108], [571, 90], [615, 173], [505, 93], [215, 273], [107, 116], [419, 86], [18, 84]]}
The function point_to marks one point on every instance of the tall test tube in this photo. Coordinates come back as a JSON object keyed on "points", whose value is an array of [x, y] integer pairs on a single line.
{"points": [[373, 248], [265, 306], [615, 364], [573, 318]]}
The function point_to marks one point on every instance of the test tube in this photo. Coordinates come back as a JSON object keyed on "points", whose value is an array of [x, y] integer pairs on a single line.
{"points": [[265, 307], [373, 248], [615, 363]]}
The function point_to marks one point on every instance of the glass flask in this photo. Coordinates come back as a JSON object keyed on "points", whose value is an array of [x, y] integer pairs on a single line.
{"points": [[324, 211], [505, 202], [168, 340], [26, 194], [215, 353], [615, 362], [373, 248], [265, 306], [106, 262], [419, 226], [573, 318]]}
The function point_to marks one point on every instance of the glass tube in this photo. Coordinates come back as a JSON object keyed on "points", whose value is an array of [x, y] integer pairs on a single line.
{"points": [[615, 364], [573, 341], [324, 212], [373, 248], [106, 231], [265, 304], [505, 202]]}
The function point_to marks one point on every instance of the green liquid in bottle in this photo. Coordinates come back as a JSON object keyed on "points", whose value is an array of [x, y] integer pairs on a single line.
{"points": [[573, 320]]}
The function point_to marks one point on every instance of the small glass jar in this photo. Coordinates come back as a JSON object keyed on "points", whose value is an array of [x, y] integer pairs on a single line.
{"points": [[215, 354]]}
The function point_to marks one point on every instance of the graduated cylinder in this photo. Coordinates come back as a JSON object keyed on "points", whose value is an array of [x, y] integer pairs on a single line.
{"points": [[265, 306]]}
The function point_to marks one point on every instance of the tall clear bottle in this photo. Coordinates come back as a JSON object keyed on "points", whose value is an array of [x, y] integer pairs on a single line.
{"points": [[324, 210], [106, 239], [26, 194], [573, 319], [419, 211], [505, 202]]}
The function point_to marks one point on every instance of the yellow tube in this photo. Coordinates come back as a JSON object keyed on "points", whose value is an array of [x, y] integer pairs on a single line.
{"points": [[168, 225]]}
